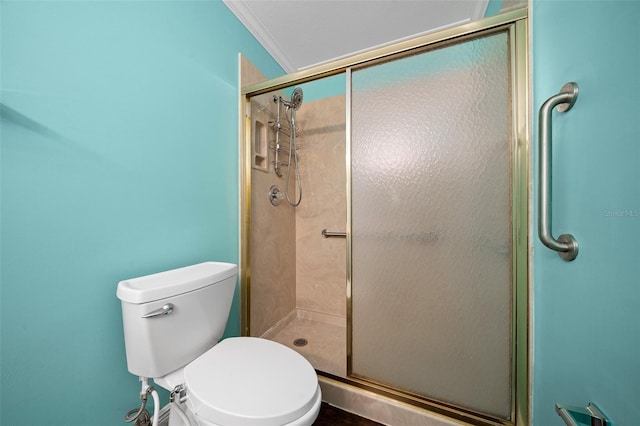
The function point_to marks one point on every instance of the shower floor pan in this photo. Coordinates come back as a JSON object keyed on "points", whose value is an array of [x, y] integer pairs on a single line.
{"points": [[326, 336]]}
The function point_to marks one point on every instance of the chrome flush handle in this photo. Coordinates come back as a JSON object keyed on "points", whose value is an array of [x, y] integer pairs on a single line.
{"points": [[165, 310]]}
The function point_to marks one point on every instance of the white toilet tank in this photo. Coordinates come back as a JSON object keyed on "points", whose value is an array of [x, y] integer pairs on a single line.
{"points": [[172, 317]]}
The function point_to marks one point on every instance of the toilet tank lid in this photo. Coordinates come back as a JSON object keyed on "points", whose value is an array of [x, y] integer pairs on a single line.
{"points": [[176, 281]]}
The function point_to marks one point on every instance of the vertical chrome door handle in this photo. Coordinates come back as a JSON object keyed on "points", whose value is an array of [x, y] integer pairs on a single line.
{"points": [[566, 245]]}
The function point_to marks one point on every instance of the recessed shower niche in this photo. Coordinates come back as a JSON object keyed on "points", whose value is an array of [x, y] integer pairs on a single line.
{"points": [[260, 154]]}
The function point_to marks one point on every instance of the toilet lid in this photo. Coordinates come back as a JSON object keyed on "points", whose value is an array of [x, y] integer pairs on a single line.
{"points": [[250, 381]]}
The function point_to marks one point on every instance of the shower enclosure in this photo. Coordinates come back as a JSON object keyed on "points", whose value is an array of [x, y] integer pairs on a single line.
{"points": [[421, 165], [299, 276]]}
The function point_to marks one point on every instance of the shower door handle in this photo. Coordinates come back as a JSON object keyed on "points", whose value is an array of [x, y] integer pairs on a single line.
{"points": [[566, 245]]}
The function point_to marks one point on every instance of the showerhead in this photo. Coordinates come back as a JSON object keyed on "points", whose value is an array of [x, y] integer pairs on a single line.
{"points": [[296, 98]]}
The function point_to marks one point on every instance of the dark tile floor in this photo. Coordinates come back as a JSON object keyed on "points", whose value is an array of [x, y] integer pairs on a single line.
{"points": [[332, 416]]}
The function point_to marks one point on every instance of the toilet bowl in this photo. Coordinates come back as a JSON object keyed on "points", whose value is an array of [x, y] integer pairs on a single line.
{"points": [[251, 381], [173, 322]]}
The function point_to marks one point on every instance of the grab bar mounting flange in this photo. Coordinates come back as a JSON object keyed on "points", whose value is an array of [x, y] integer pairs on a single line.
{"points": [[570, 89]]}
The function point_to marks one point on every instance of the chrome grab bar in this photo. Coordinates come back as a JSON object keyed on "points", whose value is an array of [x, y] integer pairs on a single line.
{"points": [[330, 234], [566, 245]]}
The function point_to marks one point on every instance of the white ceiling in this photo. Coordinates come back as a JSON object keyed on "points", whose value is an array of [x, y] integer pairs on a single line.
{"points": [[302, 33]]}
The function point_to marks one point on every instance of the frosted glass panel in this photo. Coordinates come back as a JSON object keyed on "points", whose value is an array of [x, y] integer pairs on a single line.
{"points": [[431, 224]]}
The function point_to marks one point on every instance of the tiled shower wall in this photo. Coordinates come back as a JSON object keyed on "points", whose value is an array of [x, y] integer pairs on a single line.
{"points": [[292, 265], [321, 262], [273, 250], [272, 245]]}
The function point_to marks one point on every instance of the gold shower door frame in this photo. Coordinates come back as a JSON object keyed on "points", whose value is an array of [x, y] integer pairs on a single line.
{"points": [[515, 24]]}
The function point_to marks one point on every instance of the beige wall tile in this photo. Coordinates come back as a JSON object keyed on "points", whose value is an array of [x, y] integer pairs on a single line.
{"points": [[321, 262]]}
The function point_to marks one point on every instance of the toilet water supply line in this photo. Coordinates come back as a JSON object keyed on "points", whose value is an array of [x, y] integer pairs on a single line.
{"points": [[144, 394]]}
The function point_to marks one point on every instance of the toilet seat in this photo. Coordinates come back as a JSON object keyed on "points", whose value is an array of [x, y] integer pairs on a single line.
{"points": [[251, 381]]}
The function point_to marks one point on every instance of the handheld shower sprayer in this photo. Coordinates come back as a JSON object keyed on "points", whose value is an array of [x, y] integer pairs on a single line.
{"points": [[292, 106], [296, 99]]}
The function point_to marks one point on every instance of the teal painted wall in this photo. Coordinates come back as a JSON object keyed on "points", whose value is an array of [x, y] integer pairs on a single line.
{"points": [[493, 7], [326, 87], [119, 158], [586, 339]]}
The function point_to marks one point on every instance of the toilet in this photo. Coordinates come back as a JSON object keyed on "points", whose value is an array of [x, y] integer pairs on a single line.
{"points": [[173, 322]]}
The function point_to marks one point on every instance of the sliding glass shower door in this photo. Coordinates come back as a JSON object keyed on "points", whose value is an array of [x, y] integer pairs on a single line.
{"points": [[431, 225]]}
